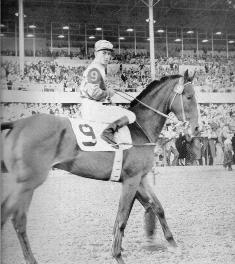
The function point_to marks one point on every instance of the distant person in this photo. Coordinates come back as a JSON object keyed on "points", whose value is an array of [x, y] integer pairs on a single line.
{"points": [[233, 146], [228, 153]]}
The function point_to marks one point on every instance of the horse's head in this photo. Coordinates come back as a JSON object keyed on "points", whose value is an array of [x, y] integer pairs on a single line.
{"points": [[183, 102]]}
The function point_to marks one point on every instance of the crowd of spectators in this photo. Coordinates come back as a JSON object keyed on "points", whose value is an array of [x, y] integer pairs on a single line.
{"points": [[41, 73], [14, 111], [215, 74]]}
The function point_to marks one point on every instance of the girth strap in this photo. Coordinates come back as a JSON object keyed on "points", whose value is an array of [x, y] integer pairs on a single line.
{"points": [[117, 165]]}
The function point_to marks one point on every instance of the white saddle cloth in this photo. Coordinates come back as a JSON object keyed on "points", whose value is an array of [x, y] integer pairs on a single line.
{"points": [[88, 136]]}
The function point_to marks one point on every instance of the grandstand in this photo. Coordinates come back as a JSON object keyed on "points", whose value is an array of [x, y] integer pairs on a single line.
{"points": [[59, 36]]}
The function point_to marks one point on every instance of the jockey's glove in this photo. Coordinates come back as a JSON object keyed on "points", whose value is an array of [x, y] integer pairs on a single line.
{"points": [[110, 92]]}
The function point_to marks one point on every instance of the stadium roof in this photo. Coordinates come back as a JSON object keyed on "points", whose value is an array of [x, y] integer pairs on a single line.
{"points": [[115, 17]]}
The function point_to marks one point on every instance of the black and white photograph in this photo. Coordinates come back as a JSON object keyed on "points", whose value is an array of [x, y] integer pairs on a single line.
{"points": [[117, 131]]}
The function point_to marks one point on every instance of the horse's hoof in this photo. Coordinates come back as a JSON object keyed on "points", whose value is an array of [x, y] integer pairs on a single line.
{"points": [[33, 261], [172, 243], [152, 245], [120, 260], [175, 249]]}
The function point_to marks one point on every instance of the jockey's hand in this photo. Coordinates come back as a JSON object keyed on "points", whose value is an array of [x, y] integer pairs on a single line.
{"points": [[110, 92]]}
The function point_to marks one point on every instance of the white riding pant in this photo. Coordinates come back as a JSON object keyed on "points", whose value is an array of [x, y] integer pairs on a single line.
{"points": [[95, 111]]}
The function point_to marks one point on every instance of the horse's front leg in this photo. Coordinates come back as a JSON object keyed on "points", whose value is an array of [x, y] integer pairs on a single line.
{"points": [[152, 205], [129, 188]]}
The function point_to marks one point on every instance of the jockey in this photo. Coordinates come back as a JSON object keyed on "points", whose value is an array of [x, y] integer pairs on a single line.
{"points": [[95, 90]]}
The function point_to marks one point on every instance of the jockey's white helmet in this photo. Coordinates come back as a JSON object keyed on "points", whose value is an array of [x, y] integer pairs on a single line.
{"points": [[103, 45]]}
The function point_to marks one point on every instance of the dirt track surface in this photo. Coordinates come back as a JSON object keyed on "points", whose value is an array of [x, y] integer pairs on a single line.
{"points": [[70, 220]]}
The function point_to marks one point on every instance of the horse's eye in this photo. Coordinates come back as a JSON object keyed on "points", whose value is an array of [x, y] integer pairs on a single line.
{"points": [[189, 97]]}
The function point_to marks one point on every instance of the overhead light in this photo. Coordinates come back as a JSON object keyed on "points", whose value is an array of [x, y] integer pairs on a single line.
{"points": [[121, 38], [98, 29], [190, 32], [1, 35], [65, 27], [231, 41], [218, 33], [160, 30], [30, 35], [91, 37], [17, 14], [130, 30], [147, 20], [177, 40], [61, 36], [32, 26], [2, 26], [205, 40], [148, 39]]}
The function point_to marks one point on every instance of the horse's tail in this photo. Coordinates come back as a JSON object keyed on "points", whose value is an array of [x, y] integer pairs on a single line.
{"points": [[7, 125]]}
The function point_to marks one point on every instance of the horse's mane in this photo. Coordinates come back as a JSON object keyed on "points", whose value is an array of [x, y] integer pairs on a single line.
{"points": [[156, 84]]}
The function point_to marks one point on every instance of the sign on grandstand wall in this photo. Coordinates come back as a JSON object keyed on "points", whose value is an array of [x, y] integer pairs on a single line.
{"points": [[8, 43], [74, 62], [74, 97], [66, 61], [14, 59]]}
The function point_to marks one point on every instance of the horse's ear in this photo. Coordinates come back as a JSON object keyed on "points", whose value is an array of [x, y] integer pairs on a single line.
{"points": [[192, 77], [186, 76]]}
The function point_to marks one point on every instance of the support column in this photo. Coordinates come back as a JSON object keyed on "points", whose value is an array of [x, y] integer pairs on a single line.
{"points": [[167, 51], [212, 45], [85, 41], [151, 37], [16, 40], [21, 37], [227, 44], [51, 39], [197, 46], [182, 43], [135, 40]]}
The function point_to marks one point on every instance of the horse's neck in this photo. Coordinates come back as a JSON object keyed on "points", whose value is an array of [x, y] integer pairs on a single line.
{"points": [[151, 122]]}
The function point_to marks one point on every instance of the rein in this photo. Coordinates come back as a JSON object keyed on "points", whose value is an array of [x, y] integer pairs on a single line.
{"points": [[149, 107], [178, 91]]}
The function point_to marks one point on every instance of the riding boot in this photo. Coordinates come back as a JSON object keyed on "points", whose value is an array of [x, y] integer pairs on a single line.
{"points": [[108, 134]]}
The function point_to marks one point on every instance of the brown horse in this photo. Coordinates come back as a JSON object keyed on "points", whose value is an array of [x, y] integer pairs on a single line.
{"points": [[34, 144]]}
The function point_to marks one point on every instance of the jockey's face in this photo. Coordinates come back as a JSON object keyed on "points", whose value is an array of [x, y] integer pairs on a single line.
{"points": [[103, 56]]}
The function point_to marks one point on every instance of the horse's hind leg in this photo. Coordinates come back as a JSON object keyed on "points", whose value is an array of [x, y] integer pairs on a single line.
{"points": [[17, 204], [19, 224], [129, 189], [152, 205]]}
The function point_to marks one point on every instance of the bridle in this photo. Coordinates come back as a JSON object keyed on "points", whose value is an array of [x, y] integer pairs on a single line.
{"points": [[179, 88]]}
